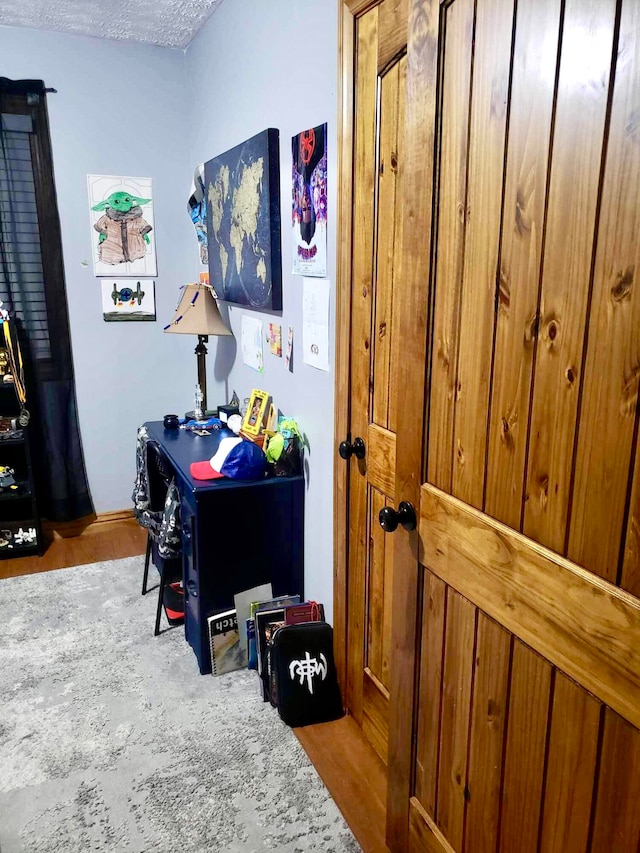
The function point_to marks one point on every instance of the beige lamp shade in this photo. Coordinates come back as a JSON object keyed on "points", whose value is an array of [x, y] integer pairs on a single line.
{"points": [[197, 313]]}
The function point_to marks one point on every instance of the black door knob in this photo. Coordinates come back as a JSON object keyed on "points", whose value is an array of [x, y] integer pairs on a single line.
{"points": [[405, 515], [347, 449]]}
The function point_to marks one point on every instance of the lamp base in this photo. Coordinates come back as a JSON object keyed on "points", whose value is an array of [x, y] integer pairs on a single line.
{"points": [[210, 413]]}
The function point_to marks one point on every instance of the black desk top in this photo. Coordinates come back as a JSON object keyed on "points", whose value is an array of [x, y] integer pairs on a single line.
{"points": [[183, 447]]}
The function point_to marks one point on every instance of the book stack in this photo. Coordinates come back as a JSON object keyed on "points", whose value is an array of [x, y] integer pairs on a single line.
{"points": [[238, 641]]}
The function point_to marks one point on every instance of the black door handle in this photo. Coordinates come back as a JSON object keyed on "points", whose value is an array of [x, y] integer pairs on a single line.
{"points": [[346, 449], [405, 515]]}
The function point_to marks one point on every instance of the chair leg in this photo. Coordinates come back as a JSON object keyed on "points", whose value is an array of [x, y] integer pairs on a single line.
{"points": [[160, 599], [146, 565]]}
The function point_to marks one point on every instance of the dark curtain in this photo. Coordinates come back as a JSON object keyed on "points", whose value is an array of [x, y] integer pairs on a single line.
{"points": [[32, 289]]}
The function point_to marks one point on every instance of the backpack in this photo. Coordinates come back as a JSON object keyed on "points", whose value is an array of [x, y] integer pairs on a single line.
{"points": [[301, 674]]}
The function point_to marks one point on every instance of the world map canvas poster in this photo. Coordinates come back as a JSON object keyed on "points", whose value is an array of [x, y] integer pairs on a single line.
{"points": [[243, 222]]}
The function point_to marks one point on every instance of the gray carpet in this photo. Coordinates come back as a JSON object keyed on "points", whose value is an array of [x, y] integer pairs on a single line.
{"points": [[111, 740]]}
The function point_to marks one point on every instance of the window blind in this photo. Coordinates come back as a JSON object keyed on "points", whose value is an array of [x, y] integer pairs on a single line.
{"points": [[22, 288]]}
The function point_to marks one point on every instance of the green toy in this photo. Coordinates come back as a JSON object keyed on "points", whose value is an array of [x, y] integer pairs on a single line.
{"points": [[287, 429]]}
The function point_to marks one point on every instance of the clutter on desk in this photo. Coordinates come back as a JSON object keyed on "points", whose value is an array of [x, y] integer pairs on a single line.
{"points": [[253, 420], [171, 422], [278, 438], [225, 412], [205, 425], [235, 424], [284, 449], [235, 458]]}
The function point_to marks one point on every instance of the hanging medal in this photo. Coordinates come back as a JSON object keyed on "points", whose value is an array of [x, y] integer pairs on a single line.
{"points": [[17, 369]]}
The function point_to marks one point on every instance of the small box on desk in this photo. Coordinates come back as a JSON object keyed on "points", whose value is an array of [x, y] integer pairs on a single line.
{"points": [[225, 412], [256, 439]]}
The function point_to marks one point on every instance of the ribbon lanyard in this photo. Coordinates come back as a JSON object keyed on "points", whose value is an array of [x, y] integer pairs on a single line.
{"points": [[17, 369]]}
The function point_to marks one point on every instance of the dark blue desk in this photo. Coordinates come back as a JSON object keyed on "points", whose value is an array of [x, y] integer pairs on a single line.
{"points": [[235, 534]]}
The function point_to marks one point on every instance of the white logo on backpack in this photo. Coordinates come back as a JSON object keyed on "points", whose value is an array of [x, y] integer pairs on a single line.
{"points": [[307, 669]]}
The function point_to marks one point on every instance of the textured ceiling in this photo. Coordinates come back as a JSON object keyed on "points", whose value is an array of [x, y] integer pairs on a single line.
{"points": [[171, 23]]}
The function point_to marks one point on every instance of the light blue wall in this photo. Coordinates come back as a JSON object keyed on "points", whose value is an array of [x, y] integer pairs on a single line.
{"points": [[254, 65], [137, 110], [120, 109]]}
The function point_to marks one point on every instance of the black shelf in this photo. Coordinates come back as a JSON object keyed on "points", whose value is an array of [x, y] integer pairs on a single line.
{"points": [[23, 491], [18, 509], [13, 438]]}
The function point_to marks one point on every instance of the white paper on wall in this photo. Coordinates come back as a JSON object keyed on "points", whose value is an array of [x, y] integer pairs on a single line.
{"points": [[252, 342], [315, 322], [122, 229]]}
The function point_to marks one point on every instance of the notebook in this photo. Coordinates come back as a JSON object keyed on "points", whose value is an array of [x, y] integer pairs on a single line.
{"points": [[224, 641]]}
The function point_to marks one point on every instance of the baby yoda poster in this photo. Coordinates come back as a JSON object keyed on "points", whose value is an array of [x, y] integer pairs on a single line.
{"points": [[122, 235]]}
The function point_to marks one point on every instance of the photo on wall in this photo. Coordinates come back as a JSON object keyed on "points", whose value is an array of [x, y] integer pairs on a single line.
{"points": [[309, 201], [122, 235], [125, 300]]}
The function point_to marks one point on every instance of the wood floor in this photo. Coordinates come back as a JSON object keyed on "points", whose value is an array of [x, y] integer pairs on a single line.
{"points": [[103, 540], [346, 763]]}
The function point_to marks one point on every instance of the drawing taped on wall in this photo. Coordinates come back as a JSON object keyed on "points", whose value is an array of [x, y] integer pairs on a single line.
{"points": [[122, 236], [128, 300]]}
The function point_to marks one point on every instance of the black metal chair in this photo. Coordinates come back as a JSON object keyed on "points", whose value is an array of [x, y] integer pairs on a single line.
{"points": [[159, 478]]}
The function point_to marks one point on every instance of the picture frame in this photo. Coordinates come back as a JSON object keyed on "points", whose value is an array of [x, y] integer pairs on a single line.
{"points": [[254, 415]]}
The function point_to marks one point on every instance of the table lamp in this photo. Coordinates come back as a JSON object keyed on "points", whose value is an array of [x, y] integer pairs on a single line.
{"points": [[197, 314]]}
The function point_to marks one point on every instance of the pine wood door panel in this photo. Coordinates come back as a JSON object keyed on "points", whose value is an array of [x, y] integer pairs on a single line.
{"points": [[519, 764], [381, 459], [485, 164], [612, 371], [531, 111], [492, 663], [617, 816], [375, 719], [529, 692], [580, 114], [452, 215], [387, 189], [631, 556], [431, 658], [571, 762], [375, 348], [455, 710], [494, 652], [424, 835], [393, 31], [579, 622], [366, 64]]}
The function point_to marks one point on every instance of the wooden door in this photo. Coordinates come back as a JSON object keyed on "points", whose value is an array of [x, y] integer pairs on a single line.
{"points": [[515, 686], [379, 31]]}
